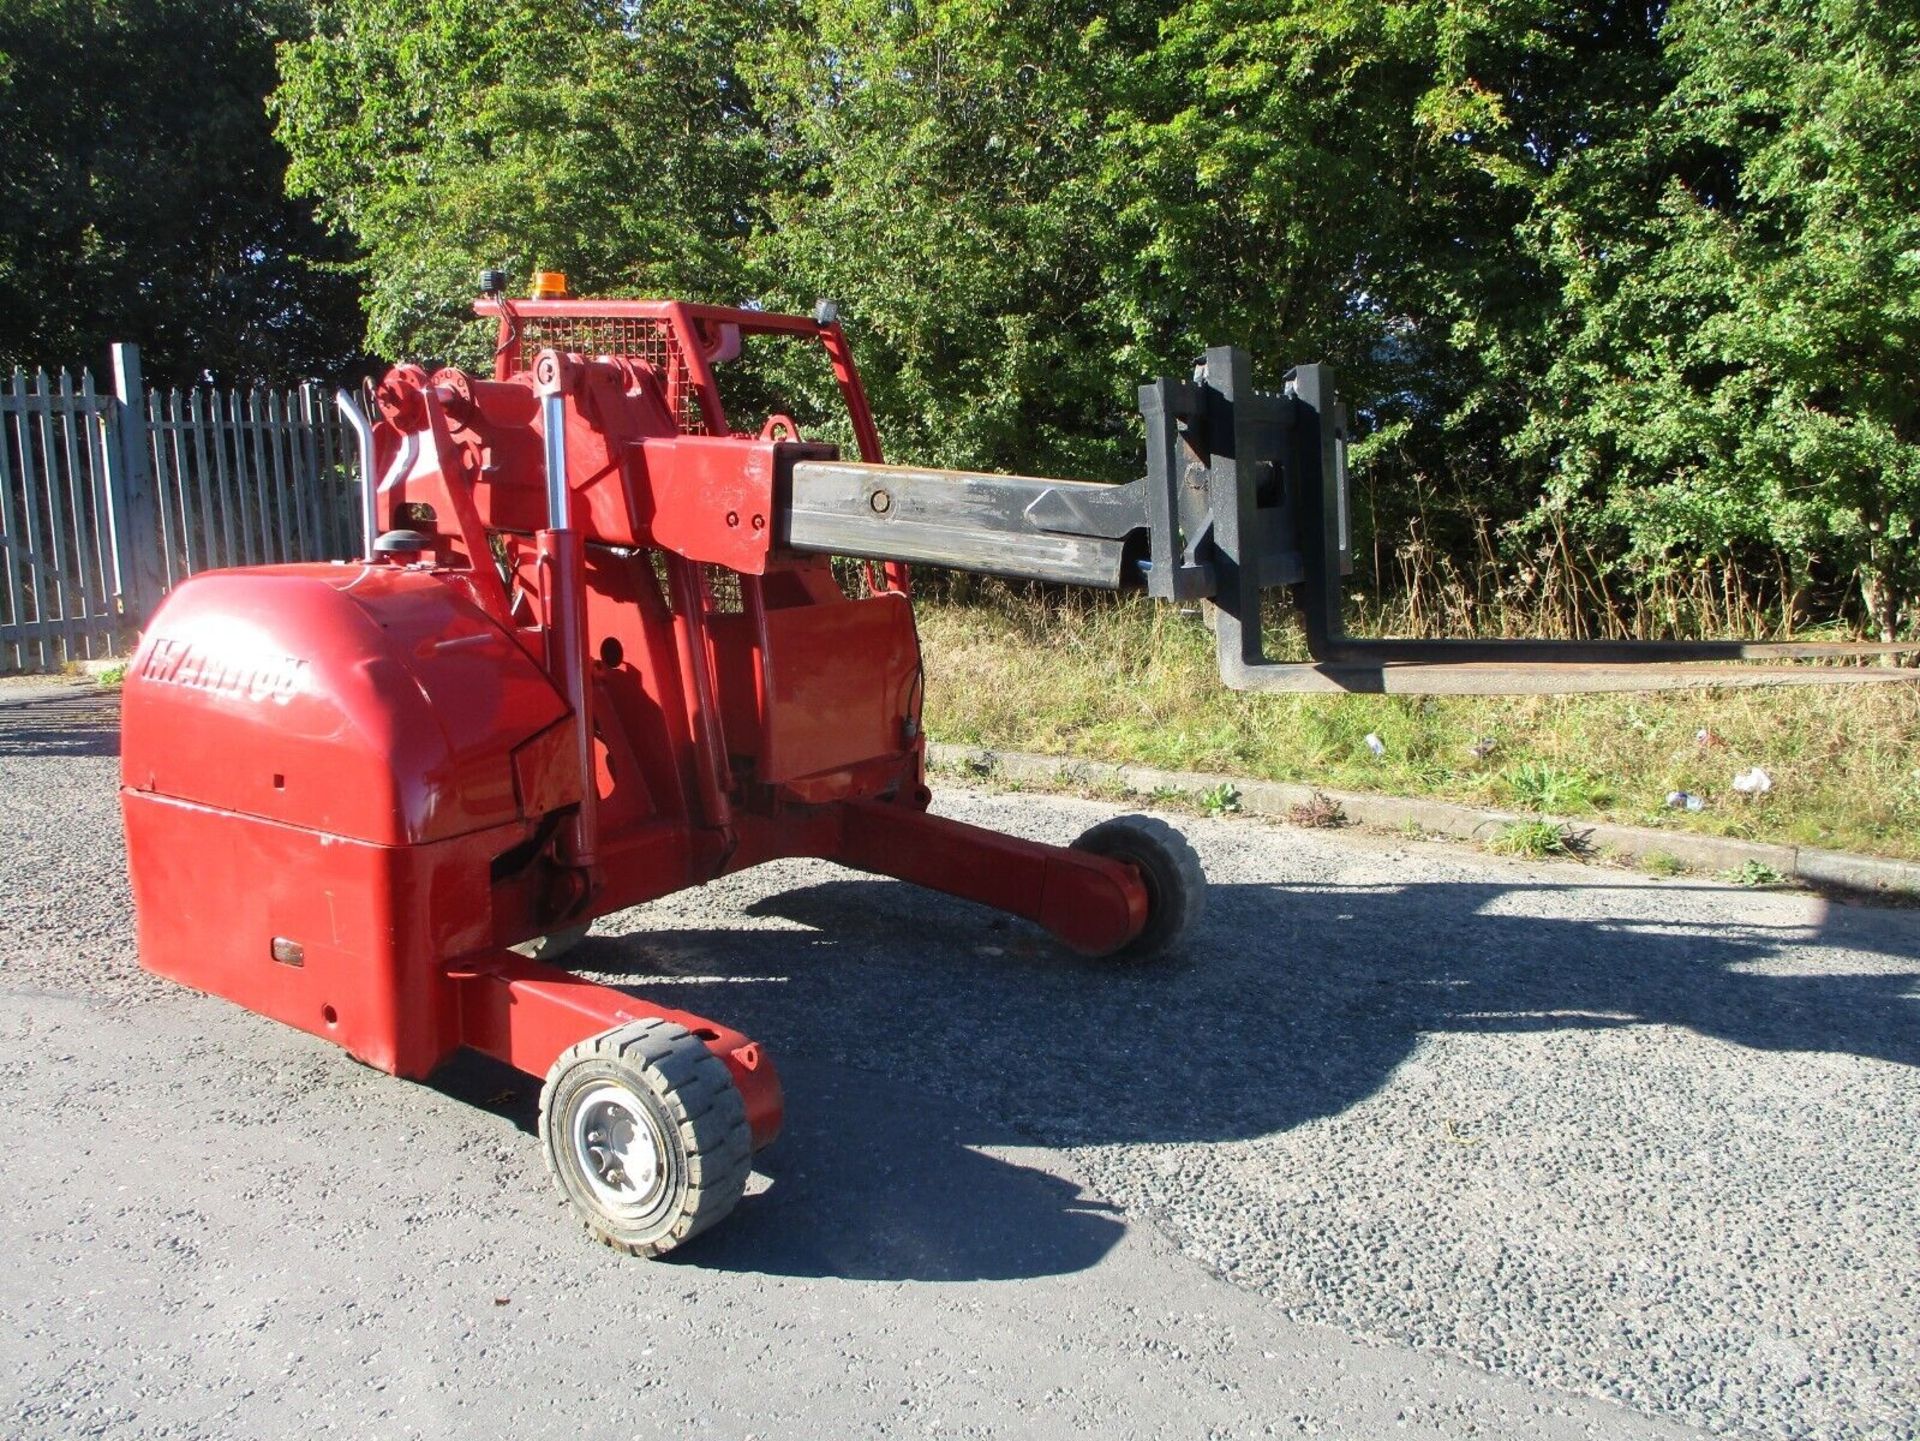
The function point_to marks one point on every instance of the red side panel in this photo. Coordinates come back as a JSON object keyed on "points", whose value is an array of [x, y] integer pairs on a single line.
{"points": [[832, 688], [361, 929], [840, 681]]}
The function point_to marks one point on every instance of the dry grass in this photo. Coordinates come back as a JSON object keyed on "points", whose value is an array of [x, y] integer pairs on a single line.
{"points": [[1129, 680], [1558, 585]]}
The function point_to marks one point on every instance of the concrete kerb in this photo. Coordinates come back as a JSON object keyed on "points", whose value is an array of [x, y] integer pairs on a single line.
{"points": [[1279, 799]]}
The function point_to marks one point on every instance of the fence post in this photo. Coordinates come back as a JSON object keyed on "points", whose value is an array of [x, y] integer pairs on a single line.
{"points": [[132, 503]]}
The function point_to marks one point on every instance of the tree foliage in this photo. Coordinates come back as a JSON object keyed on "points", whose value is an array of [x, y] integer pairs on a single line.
{"points": [[1630, 284], [1740, 367], [612, 141], [940, 171], [142, 196]]}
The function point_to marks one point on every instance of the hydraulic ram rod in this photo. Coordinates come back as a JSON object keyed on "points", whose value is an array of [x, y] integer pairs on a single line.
{"points": [[362, 429], [563, 578]]}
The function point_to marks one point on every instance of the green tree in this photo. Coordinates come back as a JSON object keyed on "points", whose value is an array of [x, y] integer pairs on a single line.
{"points": [[142, 196], [610, 141], [1351, 181], [939, 174], [1740, 367], [1032, 208]]}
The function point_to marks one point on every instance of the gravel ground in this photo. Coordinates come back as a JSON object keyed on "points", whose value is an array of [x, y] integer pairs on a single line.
{"points": [[1593, 1135]]}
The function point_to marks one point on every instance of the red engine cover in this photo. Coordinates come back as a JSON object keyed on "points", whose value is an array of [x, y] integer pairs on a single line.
{"points": [[368, 702]]}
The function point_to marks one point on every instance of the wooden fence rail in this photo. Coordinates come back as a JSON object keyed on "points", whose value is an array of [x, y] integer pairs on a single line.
{"points": [[108, 500]]}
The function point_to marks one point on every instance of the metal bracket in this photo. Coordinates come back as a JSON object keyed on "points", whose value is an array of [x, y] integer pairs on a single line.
{"points": [[1250, 542]]}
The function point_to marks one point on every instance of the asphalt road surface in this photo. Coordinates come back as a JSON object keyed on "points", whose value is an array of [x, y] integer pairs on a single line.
{"points": [[1418, 1143]]}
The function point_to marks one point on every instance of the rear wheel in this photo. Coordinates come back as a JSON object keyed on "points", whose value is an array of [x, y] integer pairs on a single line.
{"points": [[1170, 871], [645, 1133]]}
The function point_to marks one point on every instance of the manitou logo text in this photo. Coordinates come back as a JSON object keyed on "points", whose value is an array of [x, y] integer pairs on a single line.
{"points": [[245, 677]]}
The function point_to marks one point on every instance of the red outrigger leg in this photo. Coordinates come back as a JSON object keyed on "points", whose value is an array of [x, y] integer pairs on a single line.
{"points": [[525, 1013], [1092, 903]]}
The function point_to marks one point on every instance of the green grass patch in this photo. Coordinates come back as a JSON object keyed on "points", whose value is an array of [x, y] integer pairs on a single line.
{"points": [[1538, 786], [1754, 873], [1221, 800], [1133, 680], [1663, 864], [1534, 840]]}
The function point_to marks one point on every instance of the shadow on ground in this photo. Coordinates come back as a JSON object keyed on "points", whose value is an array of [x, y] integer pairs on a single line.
{"points": [[869, 1181], [911, 1027], [76, 721]]}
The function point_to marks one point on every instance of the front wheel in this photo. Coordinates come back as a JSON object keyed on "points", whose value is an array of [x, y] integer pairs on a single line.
{"points": [[1168, 868], [645, 1133]]}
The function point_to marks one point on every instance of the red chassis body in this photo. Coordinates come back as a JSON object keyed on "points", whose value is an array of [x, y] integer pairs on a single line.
{"points": [[350, 788]]}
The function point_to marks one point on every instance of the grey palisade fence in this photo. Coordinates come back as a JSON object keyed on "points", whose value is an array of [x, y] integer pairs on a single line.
{"points": [[108, 499]]}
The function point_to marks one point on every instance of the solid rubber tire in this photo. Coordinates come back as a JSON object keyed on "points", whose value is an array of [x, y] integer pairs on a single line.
{"points": [[709, 1148], [1176, 885]]}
